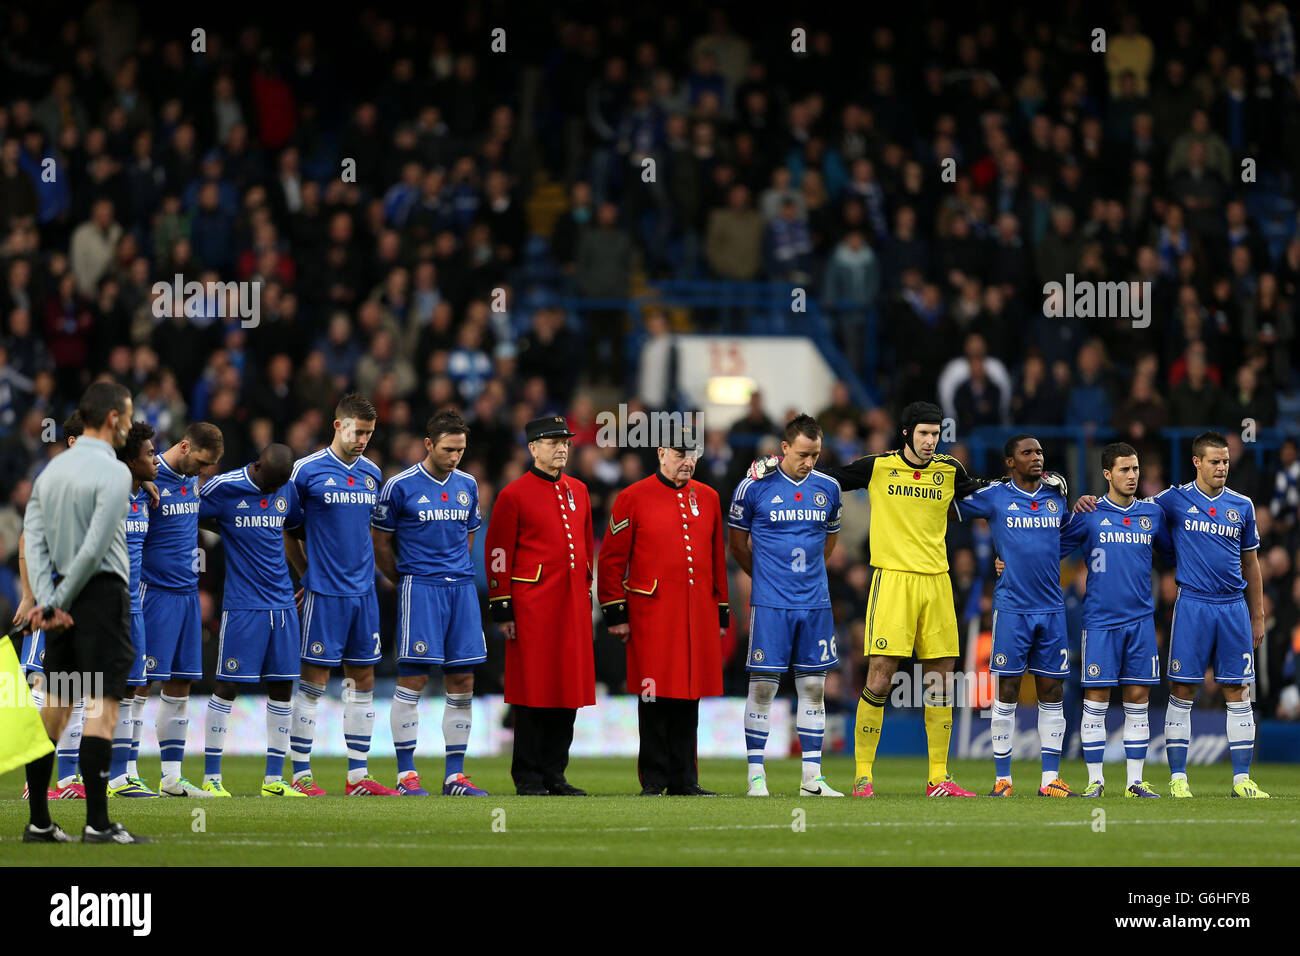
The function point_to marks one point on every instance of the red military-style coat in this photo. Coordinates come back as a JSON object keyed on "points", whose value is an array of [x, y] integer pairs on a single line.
{"points": [[663, 571], [539, 569]]}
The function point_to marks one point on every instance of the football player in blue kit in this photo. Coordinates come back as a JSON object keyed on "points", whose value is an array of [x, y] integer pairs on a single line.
{"points": [[1118, 538], [782, 531], [1219, 611], [139, 456], [337, 488], [1024, 517], [259, 636], [169, 576], [423, 529]]}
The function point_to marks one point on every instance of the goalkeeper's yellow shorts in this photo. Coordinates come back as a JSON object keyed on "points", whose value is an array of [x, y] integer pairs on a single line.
{"points": [[909, 612]]}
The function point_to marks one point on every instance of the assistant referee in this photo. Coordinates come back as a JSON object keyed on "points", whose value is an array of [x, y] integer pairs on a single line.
{"points": [[77, 562]]}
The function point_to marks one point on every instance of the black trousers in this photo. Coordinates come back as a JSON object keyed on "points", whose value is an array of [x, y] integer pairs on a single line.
{"points": [[668, 743], [542, 739]]}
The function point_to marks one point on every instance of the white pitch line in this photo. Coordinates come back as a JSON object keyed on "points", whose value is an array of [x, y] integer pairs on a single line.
{"points": [[764, 850], [530, 831], [378, 846], [981, 824]]}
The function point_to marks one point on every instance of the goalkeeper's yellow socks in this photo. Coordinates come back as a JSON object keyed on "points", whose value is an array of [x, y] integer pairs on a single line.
{"points": [[866, 736], [938, 732]]}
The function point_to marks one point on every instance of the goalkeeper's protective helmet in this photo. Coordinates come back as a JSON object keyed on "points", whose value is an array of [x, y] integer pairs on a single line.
{"points": [[918, 413]]}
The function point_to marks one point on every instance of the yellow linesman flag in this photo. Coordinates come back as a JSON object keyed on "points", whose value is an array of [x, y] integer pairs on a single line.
{"points": [[22, 735]]}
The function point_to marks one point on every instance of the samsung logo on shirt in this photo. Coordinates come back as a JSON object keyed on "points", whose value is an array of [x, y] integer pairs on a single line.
{"points": [[349, 497], [796, 514], [259, 521], [1043, 521], [1124, 537], [137, 527], [181, 508], [1210, 527], [444, 514], [916, 491]]}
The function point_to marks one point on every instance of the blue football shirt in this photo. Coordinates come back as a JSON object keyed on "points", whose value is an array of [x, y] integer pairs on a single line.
{"points": [[788, 522], [431, 521], [252, 527], [1026, 529], [337, 500], [1117, 545], [137, 528], [172, 542], [1210, 535]]}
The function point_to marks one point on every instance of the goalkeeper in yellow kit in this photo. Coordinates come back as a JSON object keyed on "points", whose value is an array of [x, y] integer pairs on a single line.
{"points": [[910, 602]]}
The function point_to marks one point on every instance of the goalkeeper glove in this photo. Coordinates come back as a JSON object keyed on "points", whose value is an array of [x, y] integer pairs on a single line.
{"points": [[1056, 482], [762, 467]]}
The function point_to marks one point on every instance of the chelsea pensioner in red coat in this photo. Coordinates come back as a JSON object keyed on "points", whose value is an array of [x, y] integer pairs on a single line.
{"points": [[663, 572]]}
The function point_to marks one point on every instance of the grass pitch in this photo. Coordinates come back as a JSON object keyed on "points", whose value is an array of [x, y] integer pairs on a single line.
{"points": [[899, 827]]}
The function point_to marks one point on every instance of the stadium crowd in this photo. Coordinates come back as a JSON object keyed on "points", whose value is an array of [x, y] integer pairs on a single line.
{"points": [[382, 177]]}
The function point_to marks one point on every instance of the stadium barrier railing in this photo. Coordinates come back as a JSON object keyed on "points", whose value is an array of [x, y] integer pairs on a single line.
{"points": [[735, 308]]}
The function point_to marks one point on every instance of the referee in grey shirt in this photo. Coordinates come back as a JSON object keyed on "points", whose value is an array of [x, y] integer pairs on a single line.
{"points": [[77, 562]]}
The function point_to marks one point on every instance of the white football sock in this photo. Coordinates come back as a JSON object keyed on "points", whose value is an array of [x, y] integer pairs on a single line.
{"points": [[457, 718], [1092, 734], [758, 710], [122, 738], [1137, 734], [279, 714], [358, 723], [1178, 736], [172, 725], [302, 729], [69, 746], [1051, 739], [214, 735], [404, 721], [1002, 727], [1241, 738], [810, 722], [137, 731]]}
